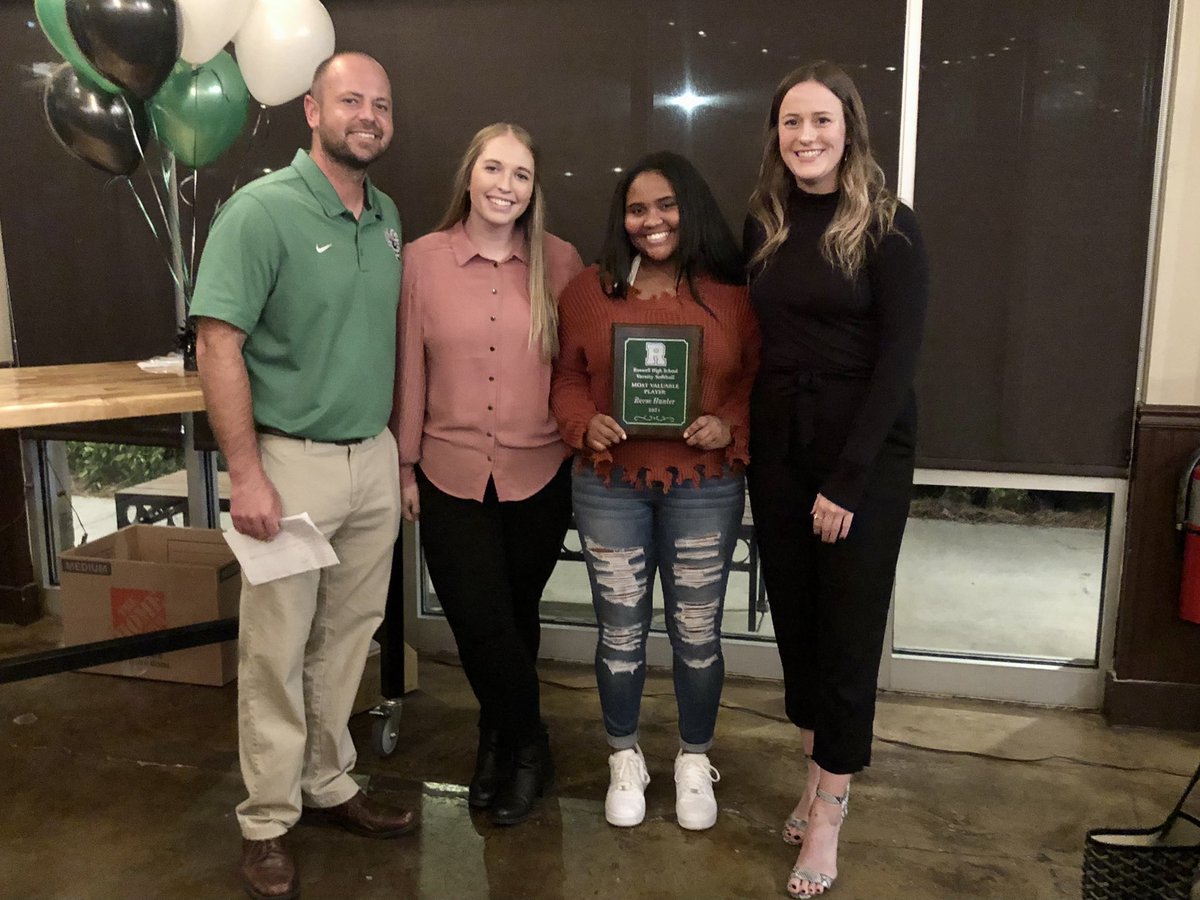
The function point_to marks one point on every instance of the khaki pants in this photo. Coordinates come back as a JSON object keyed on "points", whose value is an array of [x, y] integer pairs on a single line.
{"points": [[303, 640]]}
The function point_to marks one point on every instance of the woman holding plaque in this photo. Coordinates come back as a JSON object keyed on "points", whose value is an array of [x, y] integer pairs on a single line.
{"points": [[839, 281], [659, 485], [481, 462]]}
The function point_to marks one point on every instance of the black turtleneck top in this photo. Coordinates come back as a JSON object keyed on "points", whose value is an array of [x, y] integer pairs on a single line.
{"points": [[815, 321]]}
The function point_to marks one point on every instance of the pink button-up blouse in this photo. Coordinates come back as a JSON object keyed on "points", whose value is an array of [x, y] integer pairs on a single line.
{"points": [[473, 395]]}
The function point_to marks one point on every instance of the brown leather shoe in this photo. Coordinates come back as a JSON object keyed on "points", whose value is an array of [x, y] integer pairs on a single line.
{"points": [[268, 870], [363, 816]]}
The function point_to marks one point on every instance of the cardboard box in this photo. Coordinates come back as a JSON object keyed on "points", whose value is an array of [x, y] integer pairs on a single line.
{"points": [[146, 578], [410, 669], [370, 689]]}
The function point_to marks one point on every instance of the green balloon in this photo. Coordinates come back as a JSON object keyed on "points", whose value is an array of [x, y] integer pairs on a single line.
{"points": [[52, 16], [199, 112]]}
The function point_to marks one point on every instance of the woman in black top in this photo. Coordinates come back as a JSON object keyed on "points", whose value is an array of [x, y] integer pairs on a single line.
{"points": [[839, 282]]}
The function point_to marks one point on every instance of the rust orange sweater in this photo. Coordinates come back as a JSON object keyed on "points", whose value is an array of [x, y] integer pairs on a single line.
{"points": [[581, 385]]}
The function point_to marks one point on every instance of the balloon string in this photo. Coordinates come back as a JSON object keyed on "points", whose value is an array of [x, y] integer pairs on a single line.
{"points": [[154, 231], [192, 204], [195, 209], [164, 172], [263, 121], [192, 179], [166, 162], [163, 167]]}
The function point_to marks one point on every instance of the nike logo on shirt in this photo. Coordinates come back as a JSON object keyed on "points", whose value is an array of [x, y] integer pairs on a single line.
{"points": [[321, 249]]}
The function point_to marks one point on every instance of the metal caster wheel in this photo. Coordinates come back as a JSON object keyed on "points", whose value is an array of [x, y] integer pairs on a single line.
{"points": [[385, 732]]}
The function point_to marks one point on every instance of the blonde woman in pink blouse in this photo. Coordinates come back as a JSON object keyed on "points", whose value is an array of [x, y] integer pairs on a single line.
{"points": [[481, 462]]}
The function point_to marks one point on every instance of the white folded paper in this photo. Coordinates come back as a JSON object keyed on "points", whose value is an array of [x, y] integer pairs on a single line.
{"points": [[171, 364], [298, 547]]}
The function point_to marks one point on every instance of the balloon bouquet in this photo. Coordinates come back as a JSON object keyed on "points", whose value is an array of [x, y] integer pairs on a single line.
{"points": [[159, 68]]}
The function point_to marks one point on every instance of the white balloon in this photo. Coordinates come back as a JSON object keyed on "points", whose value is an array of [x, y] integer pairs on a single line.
{"points": [[280, 45], [208, 25]]}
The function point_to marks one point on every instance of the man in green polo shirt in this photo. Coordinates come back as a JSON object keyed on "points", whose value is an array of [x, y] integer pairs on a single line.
{"points": [[295, 306]]}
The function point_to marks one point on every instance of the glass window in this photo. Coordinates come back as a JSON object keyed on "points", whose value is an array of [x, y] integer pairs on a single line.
{"points": [[91, 489], [987, 573], [1002, 573], [568, 597], [1035, 160], [98, 487]]}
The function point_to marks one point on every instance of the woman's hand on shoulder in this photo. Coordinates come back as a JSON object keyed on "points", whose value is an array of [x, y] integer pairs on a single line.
{"points": [[602, 432], [830, 521], [708, 433]]}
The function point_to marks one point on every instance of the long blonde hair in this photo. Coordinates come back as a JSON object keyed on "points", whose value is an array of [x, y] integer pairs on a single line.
{"points": [[866, 209], [543, 310]]}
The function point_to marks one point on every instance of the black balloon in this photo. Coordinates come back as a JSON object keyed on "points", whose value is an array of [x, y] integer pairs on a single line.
{"points": [[133, 43], [106, 130]]}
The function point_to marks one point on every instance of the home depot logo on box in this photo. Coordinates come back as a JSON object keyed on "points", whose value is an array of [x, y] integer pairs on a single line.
{"points": [[136, 611]]}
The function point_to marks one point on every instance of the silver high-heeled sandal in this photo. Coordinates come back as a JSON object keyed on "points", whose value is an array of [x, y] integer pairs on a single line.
{"points": [[793, 830], [794, 827], [810, 875]]}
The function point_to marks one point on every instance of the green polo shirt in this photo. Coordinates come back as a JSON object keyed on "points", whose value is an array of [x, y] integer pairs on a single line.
{"points": [[316, 292]]}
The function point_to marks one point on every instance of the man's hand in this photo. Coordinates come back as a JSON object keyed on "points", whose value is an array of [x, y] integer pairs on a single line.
{"points": [[254, 503], [410, 503], [255, 506]]}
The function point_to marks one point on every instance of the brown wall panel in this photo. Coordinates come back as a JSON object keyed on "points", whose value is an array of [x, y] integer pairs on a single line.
{"points": [[1028, 108], [590, 78], [86, 279], [20, 600], [1157, 656]]}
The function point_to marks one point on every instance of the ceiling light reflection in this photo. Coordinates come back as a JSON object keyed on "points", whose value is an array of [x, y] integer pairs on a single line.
{"points": [[689, 101]]}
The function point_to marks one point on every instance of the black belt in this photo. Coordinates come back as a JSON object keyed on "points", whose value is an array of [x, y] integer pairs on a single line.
{"points": [[276, 432]]}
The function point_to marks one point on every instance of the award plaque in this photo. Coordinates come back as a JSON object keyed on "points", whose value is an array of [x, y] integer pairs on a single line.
{"points": [[656, 378]]}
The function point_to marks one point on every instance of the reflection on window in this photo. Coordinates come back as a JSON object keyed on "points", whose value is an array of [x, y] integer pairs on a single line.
{"points": [[985, 573], [567, 599], [91, 490], [1003, 573], [96, 488]]}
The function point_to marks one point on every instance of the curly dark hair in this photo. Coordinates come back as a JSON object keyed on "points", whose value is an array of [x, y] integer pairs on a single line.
{"points": [[706, 243]]}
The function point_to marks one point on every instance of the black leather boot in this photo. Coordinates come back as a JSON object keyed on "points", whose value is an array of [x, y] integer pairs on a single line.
{"points": [[532, 776], [491, 763]]}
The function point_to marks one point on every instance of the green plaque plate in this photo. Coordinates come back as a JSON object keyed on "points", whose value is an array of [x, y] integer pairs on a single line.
{"points": [[656, 378]]}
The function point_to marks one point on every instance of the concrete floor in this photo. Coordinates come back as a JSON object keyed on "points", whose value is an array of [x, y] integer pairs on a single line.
{"points": [[118, 788]]}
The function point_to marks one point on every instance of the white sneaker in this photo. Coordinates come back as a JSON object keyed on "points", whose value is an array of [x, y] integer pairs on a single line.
{"points": [[695, 805], [625, 803]]}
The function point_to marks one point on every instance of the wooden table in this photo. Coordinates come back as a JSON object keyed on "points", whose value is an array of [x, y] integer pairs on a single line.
{"points": [[54, 395], [89, 392]]}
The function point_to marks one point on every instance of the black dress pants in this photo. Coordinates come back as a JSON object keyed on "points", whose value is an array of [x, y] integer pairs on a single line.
{"points": [[829, 602], [489, 562], [391, 631]]}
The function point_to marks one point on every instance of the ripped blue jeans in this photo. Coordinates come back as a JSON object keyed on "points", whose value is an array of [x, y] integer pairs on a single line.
{"points": [[687, 535]]}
